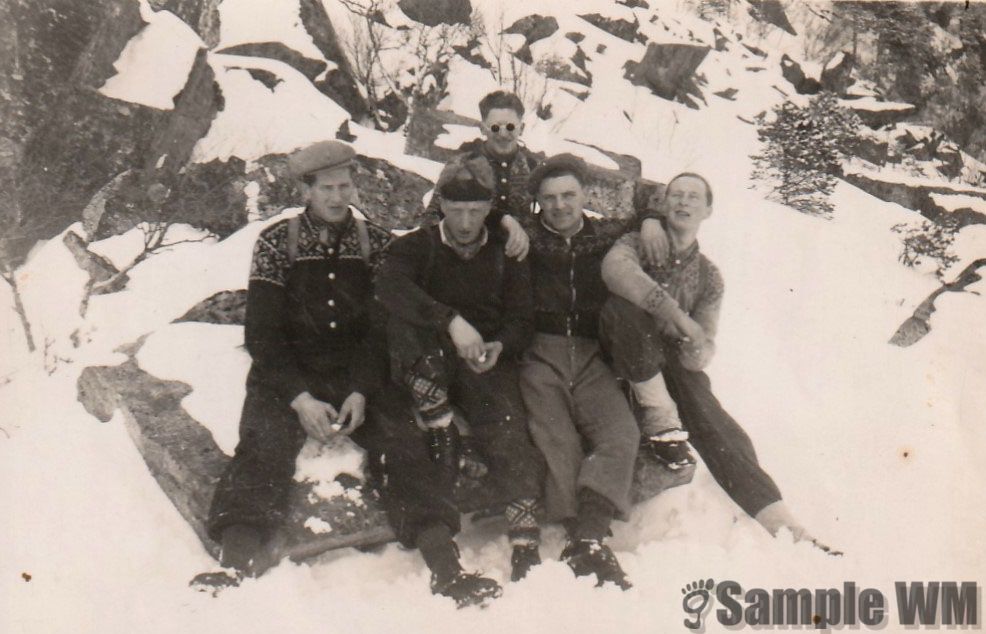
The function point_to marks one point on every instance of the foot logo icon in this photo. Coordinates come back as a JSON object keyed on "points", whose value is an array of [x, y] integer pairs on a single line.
{"points": [[695, 601]]}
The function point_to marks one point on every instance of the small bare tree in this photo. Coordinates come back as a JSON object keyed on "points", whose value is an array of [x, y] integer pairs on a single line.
{"points": [[418, 75]]}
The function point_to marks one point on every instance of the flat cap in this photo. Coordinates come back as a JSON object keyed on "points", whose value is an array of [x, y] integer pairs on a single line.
{"points": [[319, 156], [465, 178], [555, 165]]}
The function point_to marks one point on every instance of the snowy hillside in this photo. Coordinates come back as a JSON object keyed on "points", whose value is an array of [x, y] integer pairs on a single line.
{"points": [[876, 448]]}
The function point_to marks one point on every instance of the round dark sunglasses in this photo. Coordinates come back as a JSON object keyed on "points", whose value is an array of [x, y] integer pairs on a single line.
{"points": [[496, 127]]}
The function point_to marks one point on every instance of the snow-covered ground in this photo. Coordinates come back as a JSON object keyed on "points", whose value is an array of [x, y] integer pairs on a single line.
{"points": [[876, 448]]}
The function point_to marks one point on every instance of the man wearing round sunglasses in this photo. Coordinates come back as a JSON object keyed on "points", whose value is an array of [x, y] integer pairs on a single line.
{"points": [[502, 125]]}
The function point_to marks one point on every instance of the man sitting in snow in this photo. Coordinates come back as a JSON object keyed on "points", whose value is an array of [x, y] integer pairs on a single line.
{"points": [[572, 396], [502, 124], [660, 329], [316, 340], [460, 314]]}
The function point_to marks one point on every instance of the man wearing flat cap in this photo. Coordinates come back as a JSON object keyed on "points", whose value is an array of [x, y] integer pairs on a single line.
{"points": [[460, 314], [578, 415], [319, 360]]}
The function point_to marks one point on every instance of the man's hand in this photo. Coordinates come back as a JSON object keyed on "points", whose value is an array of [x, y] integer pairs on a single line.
{"points": [[654, 242], [467, 340], [352, 413], [316, 417], [488, 360], [691, 332], [517, 241]]}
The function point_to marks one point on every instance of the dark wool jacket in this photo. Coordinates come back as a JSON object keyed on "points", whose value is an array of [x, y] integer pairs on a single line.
{"points": [[426, 283], [568, 286], [511, 174], [315, 316]]}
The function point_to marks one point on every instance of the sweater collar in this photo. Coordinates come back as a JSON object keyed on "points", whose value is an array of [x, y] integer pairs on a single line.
{"points": [[468, 251]]}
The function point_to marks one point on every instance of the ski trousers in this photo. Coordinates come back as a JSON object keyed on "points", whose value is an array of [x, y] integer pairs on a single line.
{"points": [[254, 488], [640, 351]]}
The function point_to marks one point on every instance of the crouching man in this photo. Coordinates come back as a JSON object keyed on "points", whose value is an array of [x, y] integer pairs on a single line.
{"points": [[660, 329], [460, 314], [578, 415], [319, 359]]}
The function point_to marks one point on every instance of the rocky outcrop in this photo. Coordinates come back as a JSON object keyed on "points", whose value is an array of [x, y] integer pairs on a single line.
{"points": [[623, 29], [533, 27], [186, 462], [435, 12], [78, 139], [837, 73], [339, 83], [669, 71], [227, 308], [918, 196], [877, 114], [424, 127], [310, 68], [793, 73], [772, 12]]}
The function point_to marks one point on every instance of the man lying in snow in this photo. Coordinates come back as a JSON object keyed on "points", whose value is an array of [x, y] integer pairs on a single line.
{"points": [[660, 329], [460, 314], [319, 362], [571, 394]]}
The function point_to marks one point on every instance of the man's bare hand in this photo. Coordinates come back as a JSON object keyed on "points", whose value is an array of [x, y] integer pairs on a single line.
{"points": [[467, 340], [691, 332], [488, 359], [517, 241], [352, 413], [316, 417], [654, 242]]}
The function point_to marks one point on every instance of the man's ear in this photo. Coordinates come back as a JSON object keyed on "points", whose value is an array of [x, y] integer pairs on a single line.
{"points": [[305, 190], [485, 129]]}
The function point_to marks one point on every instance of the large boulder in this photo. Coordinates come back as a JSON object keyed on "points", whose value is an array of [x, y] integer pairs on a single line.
{"points": [[77, 139], [669, 71], [184, 459], [435, 12]]}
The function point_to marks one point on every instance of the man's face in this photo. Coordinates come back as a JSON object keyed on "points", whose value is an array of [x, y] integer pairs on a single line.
{"points": [[561, 200], [686, 203], [331, 193], [464, 219], [502, 129]]}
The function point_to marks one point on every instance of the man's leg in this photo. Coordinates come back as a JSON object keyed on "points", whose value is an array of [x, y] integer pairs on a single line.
{"points": [[418, 469], [638, 348], [250, 499], [544, 386], [604, 418], [719, 439], [494, 408]]}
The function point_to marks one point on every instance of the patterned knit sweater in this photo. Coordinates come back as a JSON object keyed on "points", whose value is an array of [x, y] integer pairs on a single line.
{"points": [[687, 281], [315, 315]]}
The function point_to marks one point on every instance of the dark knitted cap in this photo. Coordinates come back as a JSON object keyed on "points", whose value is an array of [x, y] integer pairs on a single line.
{"points": [[466, 178], [320, 156], [554, 166]]}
